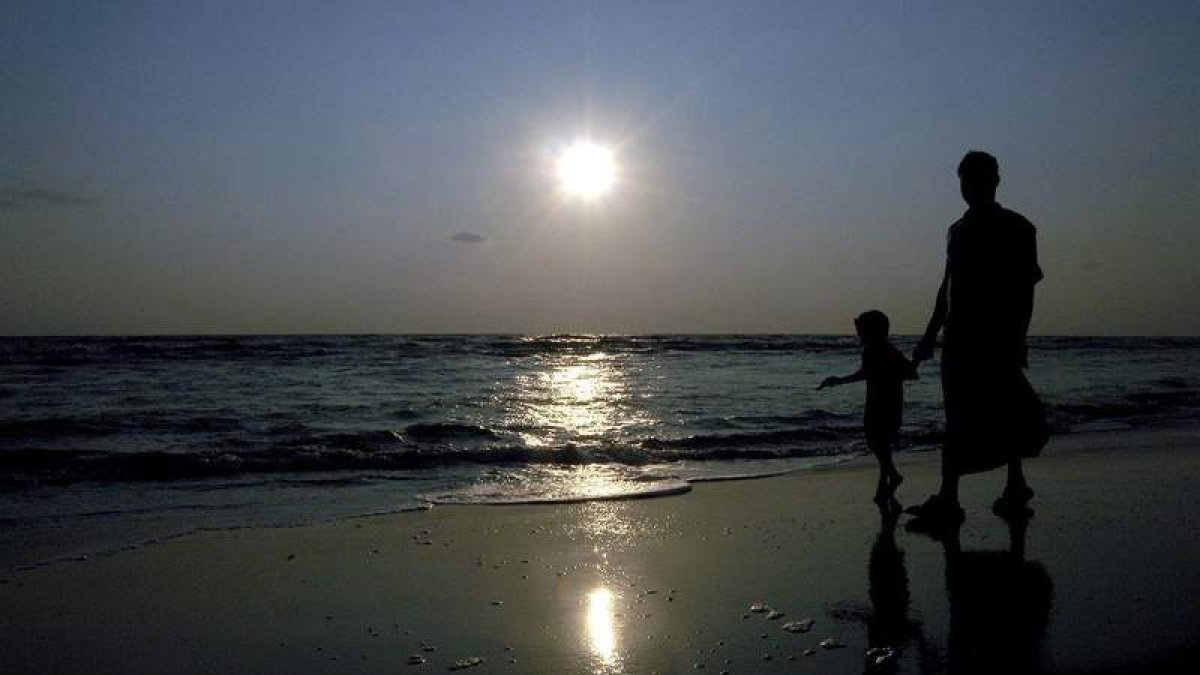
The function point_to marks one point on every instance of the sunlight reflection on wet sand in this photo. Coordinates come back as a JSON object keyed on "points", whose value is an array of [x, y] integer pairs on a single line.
{"points": [[602, 631]]}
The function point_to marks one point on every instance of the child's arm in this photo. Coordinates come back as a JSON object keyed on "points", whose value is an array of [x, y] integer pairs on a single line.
{"points": [[834, 381]]}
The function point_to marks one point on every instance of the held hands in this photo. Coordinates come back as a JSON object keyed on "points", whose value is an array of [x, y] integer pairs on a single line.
{"points": [[924, 350]]}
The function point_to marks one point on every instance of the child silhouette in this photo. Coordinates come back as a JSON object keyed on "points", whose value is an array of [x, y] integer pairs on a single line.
{"points": [[885, 369]]}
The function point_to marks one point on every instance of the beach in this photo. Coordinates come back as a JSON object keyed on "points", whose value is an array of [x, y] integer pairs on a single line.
{"points": [[1106, 582]]}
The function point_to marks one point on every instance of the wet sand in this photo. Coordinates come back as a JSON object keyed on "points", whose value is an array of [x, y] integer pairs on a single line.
{"points": [[1107, 580]]}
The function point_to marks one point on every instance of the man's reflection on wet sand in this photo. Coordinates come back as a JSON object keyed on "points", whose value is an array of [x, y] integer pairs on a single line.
{"points": [[999, 606]]}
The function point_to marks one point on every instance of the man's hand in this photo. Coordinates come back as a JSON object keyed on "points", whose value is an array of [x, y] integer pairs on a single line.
{"points": [[924, 350], [830, 382]]}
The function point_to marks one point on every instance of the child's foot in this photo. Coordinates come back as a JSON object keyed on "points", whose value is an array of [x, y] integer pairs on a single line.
{"points": [[886, 491], [882, 493], [889, 510]]}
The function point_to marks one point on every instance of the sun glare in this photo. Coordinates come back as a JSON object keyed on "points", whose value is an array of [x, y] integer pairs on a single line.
{"points": [[601, 630], [587, 170]]}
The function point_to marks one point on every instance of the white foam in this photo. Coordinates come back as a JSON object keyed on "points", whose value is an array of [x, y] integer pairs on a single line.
{"points": [[563, 485]]}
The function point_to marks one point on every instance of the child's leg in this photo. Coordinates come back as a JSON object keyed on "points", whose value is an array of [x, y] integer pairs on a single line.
{"points": [[883, 452], [889, 477]]}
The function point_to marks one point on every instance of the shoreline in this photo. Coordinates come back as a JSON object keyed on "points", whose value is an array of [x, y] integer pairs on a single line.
{"points": [[1062, 443], [657, 585]]}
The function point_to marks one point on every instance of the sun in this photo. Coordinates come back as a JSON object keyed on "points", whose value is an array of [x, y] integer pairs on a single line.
{"points": [[587, 170]]}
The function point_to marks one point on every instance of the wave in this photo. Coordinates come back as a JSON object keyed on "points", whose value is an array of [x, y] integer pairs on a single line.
{"points": [[742, 440], [54, 427], [91, 426], [114, 447], [442, 431], [63, 352], [392, 451]]}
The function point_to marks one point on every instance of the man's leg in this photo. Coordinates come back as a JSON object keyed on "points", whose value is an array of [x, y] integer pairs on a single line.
{"points": [[1016, 477], [949, 490], [1013, 502], [940, 512]]}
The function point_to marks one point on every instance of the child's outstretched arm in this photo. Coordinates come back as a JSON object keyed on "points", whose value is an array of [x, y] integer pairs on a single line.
{"points": [[834, 381]]}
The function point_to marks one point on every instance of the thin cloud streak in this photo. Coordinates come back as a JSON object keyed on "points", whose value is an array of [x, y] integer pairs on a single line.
{"points": [[16, 197]]}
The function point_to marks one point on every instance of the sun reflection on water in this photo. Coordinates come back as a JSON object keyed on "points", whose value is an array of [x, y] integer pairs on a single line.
{"points": [[576, 400], [581, 398]]}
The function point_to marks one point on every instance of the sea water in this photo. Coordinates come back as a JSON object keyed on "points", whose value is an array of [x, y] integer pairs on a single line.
{"points": [[107, 442]]}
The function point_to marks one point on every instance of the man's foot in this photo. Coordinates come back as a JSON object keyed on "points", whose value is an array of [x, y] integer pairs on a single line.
{"points": [[1013, 503], [935, 504], [936, 517]]}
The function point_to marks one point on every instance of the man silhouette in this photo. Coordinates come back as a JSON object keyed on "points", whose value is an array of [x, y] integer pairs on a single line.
{"points": [[984, 304]]}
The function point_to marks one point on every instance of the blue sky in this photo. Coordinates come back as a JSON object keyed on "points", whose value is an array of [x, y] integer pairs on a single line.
{"points": [[305, 167]]}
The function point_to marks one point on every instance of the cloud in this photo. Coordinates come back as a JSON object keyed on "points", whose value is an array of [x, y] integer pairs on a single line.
{"points": [[14, 197], [468, 238]]}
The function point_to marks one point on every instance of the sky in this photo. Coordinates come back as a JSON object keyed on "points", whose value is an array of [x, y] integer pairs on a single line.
{"points": [[346, 167]]}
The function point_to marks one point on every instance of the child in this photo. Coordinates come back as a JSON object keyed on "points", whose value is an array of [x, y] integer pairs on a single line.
{"points": [[885, 369]]}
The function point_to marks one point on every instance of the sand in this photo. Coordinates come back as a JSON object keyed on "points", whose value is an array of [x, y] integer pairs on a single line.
{"points": [[1108, 581]]}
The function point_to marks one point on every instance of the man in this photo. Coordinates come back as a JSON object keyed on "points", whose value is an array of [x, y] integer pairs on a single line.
{"points": [[984, 304]]}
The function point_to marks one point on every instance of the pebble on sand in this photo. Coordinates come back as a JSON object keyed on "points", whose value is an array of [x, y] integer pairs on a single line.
{"points": [[801, 626], [831, 643], [880, 656], [466, 662]]}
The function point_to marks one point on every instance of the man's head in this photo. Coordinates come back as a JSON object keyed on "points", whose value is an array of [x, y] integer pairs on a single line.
{"points": [[872, 326], [978, 177]]}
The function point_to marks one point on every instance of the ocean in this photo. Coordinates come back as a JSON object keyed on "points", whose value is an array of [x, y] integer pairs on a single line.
{"points": [[108, 443]]}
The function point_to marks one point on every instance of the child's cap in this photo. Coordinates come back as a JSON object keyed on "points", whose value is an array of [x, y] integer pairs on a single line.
{"points": [[873, 322]]}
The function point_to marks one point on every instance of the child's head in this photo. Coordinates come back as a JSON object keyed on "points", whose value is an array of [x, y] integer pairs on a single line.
{"points": [[872, 326]]}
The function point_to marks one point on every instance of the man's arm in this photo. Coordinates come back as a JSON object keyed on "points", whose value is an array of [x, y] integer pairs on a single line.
{"points": [[1023, 307], [924, 350]]}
